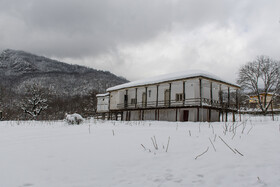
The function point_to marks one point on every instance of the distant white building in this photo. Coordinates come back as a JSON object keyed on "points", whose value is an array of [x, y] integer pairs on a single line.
{"points": [[182, 96], [103, 104]]}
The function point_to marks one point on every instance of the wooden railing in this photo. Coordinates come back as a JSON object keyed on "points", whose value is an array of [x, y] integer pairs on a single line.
{"points": [[173, 103]]}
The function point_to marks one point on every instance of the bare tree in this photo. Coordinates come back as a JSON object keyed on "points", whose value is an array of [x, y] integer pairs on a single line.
{"points": [[261, 76], [35, 101]]}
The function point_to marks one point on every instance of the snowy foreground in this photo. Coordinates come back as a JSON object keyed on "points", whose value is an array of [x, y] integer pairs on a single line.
{"points": [[105, 154]]}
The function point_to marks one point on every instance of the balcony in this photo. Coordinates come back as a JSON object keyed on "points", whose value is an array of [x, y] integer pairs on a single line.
{"points": [[174, 103]]}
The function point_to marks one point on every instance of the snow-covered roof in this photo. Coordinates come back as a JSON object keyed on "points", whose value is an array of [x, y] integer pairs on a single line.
{"points": [[170, 77], [102, 95]]}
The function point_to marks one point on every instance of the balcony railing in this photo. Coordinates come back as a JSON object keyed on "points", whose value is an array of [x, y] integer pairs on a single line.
{"points": [[174, 103]]}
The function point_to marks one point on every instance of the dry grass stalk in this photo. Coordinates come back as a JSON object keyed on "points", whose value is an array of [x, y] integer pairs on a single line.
{"points": [[212, 145], [154, 142], [213, 131], [202, 153], [250, 130], [227, 145], [167, 144], [238, 152], [143, 147], [244, 126], [233, 136], [225, 128]]}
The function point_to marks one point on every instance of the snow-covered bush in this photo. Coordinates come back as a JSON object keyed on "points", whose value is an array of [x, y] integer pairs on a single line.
{"points": [[74, 119]]}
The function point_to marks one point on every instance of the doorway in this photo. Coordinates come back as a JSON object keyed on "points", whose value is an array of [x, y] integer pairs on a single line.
{"points": [[185, 115], [167, 98], [125, 101], [144, 99]]}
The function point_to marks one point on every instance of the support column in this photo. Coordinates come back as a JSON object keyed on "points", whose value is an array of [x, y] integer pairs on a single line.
{"points": [[211, 93], [184, 93], [227, 116], [135, 97], [200, 92], [228, 97], [157, 97], [221, 102], [146, 97], [221, 95], [236, 103], [236, 99], [139, 115], [176, 114], [228, 105], [169, 102], [126, 101], [197, 115]]}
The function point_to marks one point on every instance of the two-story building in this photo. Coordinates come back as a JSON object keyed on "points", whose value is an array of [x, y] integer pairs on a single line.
{"points": [[182, 96], [265, 99]]}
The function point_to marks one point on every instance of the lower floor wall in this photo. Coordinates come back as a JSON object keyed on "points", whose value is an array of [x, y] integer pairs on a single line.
{"points": [[179, 114]]}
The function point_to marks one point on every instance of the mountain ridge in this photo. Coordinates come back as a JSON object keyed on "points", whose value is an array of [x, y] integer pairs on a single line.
{"points": [[18, 68]]}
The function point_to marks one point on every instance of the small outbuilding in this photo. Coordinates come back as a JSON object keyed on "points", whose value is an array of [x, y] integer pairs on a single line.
{"points": [[102, 108]]}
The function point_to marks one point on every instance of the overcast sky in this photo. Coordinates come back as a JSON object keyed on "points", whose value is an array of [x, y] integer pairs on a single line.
{"points": [[141, 38]]}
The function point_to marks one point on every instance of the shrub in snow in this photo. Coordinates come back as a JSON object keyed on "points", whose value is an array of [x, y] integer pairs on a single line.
{"points": [[74, 119]]}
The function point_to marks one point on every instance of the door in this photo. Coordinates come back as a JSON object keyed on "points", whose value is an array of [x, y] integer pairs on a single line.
{"points": [[144, 99], [166, 97], [125, 101], [185, 115]]}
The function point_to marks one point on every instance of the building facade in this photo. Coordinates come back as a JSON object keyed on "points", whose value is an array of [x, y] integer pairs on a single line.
{"points": [[184, 96], [103, 105]]}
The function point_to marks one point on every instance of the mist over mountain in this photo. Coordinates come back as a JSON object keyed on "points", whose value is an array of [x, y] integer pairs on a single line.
{"points": [[19, 68]]}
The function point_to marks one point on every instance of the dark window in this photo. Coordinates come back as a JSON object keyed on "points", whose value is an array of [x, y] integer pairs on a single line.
{"points": [[179, 97], [133, 101]]}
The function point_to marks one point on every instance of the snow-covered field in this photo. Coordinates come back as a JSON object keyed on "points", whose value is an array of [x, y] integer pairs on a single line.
{"points": [[101, 154]]}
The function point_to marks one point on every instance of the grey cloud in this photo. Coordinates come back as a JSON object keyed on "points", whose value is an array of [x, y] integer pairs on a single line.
{"points": [[96, 32], [69, 28]]}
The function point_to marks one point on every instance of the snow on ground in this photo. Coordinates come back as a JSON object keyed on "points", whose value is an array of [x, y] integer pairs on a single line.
{"points": [[110, 153]]}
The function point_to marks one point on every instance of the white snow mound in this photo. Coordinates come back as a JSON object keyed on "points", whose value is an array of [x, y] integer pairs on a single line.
{"points": [[74, 119]]}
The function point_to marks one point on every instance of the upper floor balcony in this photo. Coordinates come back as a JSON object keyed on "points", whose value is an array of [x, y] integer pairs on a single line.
{"points": [[175, 103]]}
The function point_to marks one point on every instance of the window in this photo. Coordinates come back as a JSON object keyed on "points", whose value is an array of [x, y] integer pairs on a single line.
{"points": [[179, 97], [150, 91], [133, 101]]}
